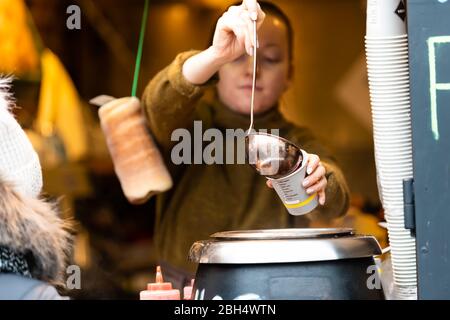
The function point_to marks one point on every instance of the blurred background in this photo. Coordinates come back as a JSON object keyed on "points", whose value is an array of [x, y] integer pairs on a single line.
{"points": [[58, 70]]}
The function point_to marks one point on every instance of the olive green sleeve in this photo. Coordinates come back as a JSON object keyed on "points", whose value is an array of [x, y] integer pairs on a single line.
{"points": [[337, 192], [169, 100]]}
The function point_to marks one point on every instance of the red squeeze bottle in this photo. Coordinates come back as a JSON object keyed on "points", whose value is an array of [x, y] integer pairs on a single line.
{"points": [[160, 290], [187, 291]]}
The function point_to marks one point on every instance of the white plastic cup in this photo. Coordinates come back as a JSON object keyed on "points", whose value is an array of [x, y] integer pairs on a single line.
{"points": [[291, 191]]}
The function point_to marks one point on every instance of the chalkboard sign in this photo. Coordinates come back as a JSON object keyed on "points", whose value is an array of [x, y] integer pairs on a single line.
{"points": [[429, 50]]}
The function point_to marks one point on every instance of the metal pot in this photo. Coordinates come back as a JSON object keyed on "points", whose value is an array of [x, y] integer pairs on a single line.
{"points": [[286, 264]]}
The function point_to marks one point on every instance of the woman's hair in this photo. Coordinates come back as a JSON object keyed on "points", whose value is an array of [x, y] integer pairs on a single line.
{"points": [[274, 10]]}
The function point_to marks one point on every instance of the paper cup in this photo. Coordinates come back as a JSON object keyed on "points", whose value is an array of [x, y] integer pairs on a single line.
{"points": [[292, 193], [403, 97], [384, 125], [404, 244], [392, 109], [392, 90], [405, 267], [397, 230], [399, 37], [394, 158], [386, 49], [382, 21], [392, 148], [379, 116], [370, 56], [404, 273], [372, 74], [399, 63], [377, 47], [397, 88], [408, 247], [388, 71], [397, 166], [401, 111], [386, 92], [372, 41], [383, 78], [396, 174], [410, 259], [397, 227], [391, 143], [389, 105], [377, 85], [387, 61]]}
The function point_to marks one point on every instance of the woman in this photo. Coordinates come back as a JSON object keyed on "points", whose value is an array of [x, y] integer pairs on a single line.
{"points": [[34, 241], [211, 198]]}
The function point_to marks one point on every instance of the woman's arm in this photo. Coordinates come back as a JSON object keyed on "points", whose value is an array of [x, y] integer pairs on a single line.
{"points": [[169, 100], [336, 191], [171, 96]]}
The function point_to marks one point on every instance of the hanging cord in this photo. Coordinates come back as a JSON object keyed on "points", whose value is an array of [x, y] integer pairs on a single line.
{"points": [[255, 38], [140, 49]]}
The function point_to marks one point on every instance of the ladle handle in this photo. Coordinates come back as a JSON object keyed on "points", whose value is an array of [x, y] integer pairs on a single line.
{"points": [[252, 103]]}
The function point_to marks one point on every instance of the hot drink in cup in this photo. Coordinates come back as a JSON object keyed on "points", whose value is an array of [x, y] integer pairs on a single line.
{"points": [[282, 162]]}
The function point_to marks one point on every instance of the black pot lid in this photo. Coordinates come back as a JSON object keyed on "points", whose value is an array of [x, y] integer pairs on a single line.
{"points": [[273, 234], [283, 246]]}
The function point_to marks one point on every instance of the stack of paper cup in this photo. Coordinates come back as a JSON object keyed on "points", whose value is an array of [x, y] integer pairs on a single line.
{"points": [[388, 73]]}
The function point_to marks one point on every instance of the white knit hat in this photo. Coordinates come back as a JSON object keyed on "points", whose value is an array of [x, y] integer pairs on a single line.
{"points": [[19, 162]]}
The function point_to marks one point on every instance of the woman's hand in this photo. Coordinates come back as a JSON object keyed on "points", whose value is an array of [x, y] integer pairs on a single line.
{"points": [[315, 182], [232, 38], [234, 30]]}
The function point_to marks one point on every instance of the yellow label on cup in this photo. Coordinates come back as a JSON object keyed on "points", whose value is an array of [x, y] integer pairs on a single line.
{"points": [[301, 204]]}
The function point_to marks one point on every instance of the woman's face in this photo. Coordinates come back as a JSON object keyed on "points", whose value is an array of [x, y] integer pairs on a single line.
{"points": [[272, 76]]}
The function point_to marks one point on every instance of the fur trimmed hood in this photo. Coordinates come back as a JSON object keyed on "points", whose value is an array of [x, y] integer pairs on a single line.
{"points": [[32, 227]]}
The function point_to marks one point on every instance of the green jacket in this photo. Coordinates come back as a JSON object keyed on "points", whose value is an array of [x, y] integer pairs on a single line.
{"points": [[219, 197]]}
